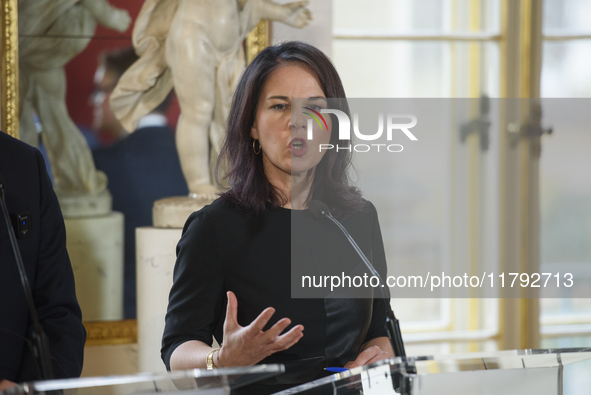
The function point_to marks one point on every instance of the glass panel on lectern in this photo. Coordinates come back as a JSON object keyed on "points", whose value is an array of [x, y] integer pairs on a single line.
{"points": [[202, 381], [541, 372]]}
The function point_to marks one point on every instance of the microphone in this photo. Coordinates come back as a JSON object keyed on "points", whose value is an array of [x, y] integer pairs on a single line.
{"points": [[40, 342], [320, 210]]}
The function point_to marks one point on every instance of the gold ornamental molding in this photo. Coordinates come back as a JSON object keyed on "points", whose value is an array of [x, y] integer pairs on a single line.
{"points": [[9, 66], [257, 40], [111, 332]]}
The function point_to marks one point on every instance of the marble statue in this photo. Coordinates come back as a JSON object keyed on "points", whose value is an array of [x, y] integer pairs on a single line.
{"points": [[195, 46], [48, 31]]}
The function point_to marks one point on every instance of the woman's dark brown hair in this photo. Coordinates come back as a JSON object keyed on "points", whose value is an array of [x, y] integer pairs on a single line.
{"points": [[249, 187]]}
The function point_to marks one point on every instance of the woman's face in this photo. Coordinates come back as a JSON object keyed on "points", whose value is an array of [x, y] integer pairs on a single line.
{"points": [[281, 128]]}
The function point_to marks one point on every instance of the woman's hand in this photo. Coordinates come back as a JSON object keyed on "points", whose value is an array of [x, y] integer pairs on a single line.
{"points": [[5, 384], [247, 345], [373, 351]]}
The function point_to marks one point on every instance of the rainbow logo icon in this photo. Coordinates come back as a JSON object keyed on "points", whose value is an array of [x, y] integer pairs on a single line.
{"points": [[316, 118]]}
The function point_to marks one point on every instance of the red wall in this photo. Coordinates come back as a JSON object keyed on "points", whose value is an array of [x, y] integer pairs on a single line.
{"points": [[80, 71]]}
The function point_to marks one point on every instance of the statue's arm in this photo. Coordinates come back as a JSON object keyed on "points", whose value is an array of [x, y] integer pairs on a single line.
{"points": [[107, 15], [294, 14]]}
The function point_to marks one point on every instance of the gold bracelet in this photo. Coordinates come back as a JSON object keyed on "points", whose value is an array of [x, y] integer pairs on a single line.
{"points": [[209, 359]]}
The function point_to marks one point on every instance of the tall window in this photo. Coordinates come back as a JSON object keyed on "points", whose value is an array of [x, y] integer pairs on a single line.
{"points": [[467, 49]]}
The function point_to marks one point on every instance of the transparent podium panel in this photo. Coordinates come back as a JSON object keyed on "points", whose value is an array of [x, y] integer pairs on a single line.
{"points": [[553, 371], [202, 381], [540, 372]]}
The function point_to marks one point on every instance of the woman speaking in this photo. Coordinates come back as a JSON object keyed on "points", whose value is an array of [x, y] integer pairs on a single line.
{"points": [[232, 278]]}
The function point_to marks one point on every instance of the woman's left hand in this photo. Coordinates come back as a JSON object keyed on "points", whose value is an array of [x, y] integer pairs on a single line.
{"points": [[369, 355], [5, 384]]}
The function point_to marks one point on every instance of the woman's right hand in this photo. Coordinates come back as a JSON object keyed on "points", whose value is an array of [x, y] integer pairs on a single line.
{"points": [[247, 345]]}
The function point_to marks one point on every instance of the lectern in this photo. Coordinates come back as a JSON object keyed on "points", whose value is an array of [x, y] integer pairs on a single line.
{"points": [[517, 372], [201, 381]]}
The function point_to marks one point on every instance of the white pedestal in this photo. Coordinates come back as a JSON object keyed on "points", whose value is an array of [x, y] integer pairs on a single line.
{"points": [[95, 246], [85, 205], [172, 212], [156, 255]]}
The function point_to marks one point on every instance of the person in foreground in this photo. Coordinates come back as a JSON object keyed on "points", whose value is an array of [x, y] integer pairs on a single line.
{"points": [[28, 190], [232, 276]]}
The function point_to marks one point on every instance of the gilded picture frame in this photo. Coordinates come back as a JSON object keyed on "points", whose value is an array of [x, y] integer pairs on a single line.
{"points": [[9, 66]]}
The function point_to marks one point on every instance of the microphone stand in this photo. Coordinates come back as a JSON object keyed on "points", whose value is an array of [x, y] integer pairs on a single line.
{"points": [[392, 324], [40, 342]]}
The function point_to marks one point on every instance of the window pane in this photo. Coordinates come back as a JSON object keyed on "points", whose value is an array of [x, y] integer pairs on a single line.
{"points": [[416, 68], [416, 15], [565, 69], [562, 16]]}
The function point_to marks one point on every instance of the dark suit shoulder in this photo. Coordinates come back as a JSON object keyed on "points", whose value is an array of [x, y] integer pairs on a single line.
{"points": [[12, 149], [21, 162]]}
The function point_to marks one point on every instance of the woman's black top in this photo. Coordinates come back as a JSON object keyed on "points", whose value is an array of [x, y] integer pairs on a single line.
{"points": [[225, 249]]}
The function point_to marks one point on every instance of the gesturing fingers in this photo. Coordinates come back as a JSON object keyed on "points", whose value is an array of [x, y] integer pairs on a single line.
{"points": [[257, 326], [277, 329], [231, 322], [272, 341], [288, 339]]}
